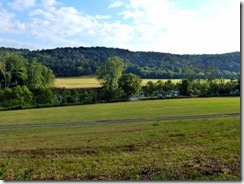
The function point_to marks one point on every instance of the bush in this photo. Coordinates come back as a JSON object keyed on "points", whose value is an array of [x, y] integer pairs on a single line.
{"points": [[17, 96]]}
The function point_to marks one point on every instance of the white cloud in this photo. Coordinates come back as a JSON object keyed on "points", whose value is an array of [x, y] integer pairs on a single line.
{"points": [[63, 24], [22, 4], [48, 3], [116, 4], [161, 26], [103, 17], [154, 20], [9, 24], [155, 25]]}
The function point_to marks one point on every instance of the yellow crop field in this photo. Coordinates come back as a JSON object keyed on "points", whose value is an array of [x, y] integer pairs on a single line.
{"points": [[92, 82], [77, 82]]}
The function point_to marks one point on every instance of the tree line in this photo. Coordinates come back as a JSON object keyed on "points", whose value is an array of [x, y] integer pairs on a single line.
{"points": [[67, 62], [127, 85], [27, 84], [24, 83]]}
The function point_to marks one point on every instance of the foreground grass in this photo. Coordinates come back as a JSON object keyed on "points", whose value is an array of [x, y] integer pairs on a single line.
{"points": [[126, 110], [199, 149], [203, 149]]}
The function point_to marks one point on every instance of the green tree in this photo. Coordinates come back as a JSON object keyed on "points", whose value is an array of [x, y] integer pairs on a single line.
{"points": [[210, 72], [191, 72], [48, 77], [214, 87], [204, 87], [39, 76], [150, 88], [12, 71], [43, 95], [231, 85], [19, 96], [168, 85], [109, 73], [184, 87], [130, 83], [160, 87]]}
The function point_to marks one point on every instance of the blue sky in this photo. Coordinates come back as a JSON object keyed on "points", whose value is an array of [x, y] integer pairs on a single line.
{"points": [[174, 26]]}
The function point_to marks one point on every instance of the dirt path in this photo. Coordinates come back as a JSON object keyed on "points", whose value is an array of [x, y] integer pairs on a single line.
{"points": [[7, 127]]}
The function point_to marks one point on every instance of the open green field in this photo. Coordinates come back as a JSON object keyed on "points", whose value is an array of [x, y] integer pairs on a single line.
{"points": [[123, 110], [179, 149], [90, 82]]}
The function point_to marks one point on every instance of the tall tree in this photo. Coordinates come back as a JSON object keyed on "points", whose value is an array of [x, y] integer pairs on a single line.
{"points": [[191, 72], [39, 76], [184, 87], [12, 71], [110, 72]]}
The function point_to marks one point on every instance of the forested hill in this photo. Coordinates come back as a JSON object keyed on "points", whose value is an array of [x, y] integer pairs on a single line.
{"points": [[84, 60]]}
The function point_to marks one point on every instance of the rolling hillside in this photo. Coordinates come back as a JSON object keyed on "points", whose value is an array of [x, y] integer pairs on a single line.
{"points": [[67, 62]]}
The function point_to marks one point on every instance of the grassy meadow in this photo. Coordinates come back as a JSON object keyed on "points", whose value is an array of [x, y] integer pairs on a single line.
{"points": [[123, 110], [77, 82], [182, 149], [91, 82]]}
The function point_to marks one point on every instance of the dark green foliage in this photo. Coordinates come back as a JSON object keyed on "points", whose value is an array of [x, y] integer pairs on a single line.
{"points": [[192, 72], [184, 88], [130, 83], [15, 70], [18, 77], [12, 71], [150, 88], [16, 97], [77, 96], [84, 61], [43, 95], [195, 88]]}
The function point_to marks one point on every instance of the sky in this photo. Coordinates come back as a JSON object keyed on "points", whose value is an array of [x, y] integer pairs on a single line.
{"points": [[171, 26]]}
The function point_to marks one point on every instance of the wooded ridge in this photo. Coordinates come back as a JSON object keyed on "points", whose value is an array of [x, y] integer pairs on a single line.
{"points": [[66, 62]]}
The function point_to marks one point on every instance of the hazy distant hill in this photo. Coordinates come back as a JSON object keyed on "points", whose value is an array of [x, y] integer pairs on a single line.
{"points": [[84, 60]]}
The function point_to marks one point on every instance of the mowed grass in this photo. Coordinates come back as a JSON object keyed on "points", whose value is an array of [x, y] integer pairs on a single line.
{"points": [[92, 82], [202, 149], [189, 149], [121, 111]]}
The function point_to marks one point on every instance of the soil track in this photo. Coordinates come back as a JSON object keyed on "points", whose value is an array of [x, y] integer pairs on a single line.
{"points": [[102, 122]]}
